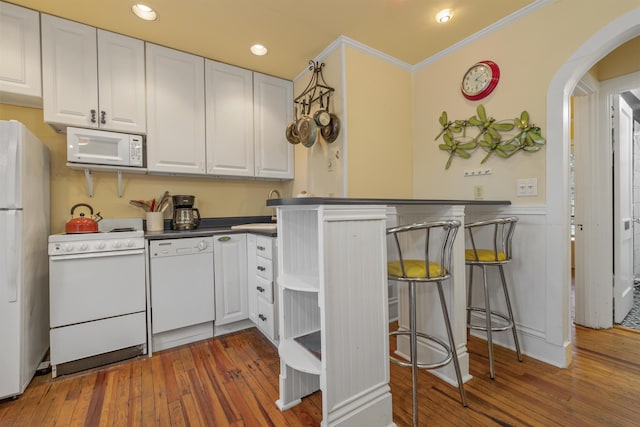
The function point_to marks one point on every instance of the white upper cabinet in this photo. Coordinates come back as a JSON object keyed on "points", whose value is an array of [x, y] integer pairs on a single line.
{"points": [[92, 78], [229, 119], [175, 112], [20, 78], [273, 110], [121, 83]]}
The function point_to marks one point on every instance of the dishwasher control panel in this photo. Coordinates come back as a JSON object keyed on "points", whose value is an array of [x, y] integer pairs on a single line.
{"points": [[178, 247]]}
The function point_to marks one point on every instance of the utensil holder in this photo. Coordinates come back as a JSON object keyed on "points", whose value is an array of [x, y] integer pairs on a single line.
{"points": [[155, 221]]}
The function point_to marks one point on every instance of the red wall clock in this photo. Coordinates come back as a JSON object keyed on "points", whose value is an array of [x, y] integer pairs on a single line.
{"points": [[480, 80]]}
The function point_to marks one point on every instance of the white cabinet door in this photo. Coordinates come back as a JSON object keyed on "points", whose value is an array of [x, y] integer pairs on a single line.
{"points": [[69, 73], [121, 84], [229, 118], [273, 109], [20, 78], [230, 265], [175, 111], [92, 78], [251, 278]]}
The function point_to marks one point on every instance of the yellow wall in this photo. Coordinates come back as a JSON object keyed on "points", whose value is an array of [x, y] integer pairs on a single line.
{"points": [[214, 197], [529, 52], [374, 148], [312, 172], [379, 132], [623, 60]]}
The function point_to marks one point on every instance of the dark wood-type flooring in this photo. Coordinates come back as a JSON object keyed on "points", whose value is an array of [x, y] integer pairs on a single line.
{"points": [[233, 380]]}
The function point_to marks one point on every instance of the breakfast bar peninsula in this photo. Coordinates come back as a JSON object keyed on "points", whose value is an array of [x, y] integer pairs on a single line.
{"points": [[333, 296]]}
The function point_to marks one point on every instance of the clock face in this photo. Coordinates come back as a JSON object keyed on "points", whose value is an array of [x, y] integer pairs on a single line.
{"points": [[480, 80]]}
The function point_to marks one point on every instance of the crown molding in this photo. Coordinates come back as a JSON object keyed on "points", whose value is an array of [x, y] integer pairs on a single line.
{"points": [[485, 31], [342, 41]]}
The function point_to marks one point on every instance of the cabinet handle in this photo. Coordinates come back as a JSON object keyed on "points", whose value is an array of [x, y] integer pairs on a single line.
{"points": [[262, 317], [260, 288], [93, 116], [103, 115], [261, 248], [261, 268]]}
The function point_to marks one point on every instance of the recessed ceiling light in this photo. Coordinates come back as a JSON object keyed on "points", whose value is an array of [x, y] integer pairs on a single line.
{"points": [[143, 11], [444, 15], [259, 50]]}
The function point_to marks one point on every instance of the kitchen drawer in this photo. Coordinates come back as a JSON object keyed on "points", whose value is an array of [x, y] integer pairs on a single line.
{"points": [[101, 336], [264, 288], [267, 318], [264, 268], [264, 246]]}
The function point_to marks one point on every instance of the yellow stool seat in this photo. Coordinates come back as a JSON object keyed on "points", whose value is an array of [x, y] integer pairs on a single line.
{"points": [[415, 268], [484, 255]]}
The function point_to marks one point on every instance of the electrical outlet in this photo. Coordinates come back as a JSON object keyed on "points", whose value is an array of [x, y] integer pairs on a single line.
{"points": [[330, 165], [527, 187], [478, 192], [478, 172]]}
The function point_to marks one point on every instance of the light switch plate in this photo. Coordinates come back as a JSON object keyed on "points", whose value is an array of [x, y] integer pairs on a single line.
{"points": [[527, 187]]}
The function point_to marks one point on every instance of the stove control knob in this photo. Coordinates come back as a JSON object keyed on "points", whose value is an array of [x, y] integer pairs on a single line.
{"points": [[68, 247], [100, 245], [202, 245], [130, 243], [117, 244], [84, 246]]}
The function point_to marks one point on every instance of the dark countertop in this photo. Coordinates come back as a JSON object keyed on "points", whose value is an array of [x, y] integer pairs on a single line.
{"points": [[298, 201], [210, 227]]}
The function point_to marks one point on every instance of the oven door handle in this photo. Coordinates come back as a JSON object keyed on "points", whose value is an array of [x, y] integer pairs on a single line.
{"points": [[97, 255]]}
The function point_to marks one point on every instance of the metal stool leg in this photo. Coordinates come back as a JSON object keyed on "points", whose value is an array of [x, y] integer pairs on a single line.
{"points": [[487, 306], [469, 294], [413, 343], [452, 345], [513, 322]]}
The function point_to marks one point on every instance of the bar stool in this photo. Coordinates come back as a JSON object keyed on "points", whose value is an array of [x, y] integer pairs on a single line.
{"points": [[500, 253], [411, 267]]}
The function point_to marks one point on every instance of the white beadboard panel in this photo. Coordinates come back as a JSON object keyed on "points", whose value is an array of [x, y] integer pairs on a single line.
{"points": [[302, 309], [295, 385], [299, 234], [355, 321]]}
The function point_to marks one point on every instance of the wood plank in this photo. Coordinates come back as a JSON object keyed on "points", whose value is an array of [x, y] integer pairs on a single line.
{"points": [[233, 381]]}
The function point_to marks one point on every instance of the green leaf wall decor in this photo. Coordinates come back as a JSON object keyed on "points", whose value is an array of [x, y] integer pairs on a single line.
{"points": [[494, 137]]}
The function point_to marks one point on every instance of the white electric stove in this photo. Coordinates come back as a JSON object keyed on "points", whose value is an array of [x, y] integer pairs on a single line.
{"points": [[97, 295]]}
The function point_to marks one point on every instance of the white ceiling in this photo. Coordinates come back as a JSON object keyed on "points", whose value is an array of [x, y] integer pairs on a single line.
{"points": [[295, 31]]}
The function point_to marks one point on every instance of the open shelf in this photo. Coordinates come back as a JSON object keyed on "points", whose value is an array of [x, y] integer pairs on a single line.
{"points": [[299, 357], [299, 282]]}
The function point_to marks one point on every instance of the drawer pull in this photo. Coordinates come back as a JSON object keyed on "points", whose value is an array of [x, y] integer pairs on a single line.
{"points": [[260, 288], [261, 268], [261, 248], [262, 317]]}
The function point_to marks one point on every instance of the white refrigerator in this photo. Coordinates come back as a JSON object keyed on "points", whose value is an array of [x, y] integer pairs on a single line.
{"points": [[24, 264]]}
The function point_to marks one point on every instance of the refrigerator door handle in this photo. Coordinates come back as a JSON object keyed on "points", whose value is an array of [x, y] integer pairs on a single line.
{"points": [[11, 257], [11, 175]]}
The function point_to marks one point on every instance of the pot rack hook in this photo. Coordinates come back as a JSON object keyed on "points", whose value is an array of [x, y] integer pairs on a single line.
{"points": [[316, 89]]}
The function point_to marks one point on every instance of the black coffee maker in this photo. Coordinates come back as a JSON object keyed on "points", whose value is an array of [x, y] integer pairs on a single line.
{"points": [[185, 216]]}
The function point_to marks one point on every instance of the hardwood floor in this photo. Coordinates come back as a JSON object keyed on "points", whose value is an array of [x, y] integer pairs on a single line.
{"points": [[233, 381]]}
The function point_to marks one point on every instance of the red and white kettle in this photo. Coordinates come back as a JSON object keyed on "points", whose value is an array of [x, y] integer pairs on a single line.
{"points": [[83, 224]]}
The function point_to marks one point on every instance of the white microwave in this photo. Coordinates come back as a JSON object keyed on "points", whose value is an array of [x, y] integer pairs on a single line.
{"points": [[98, 147]]}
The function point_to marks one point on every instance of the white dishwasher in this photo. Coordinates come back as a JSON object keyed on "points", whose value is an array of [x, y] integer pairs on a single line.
{"points": [[182, 292]]}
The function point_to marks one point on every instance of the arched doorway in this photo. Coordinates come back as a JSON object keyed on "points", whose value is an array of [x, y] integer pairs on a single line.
{"points": [[557, 228]]}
